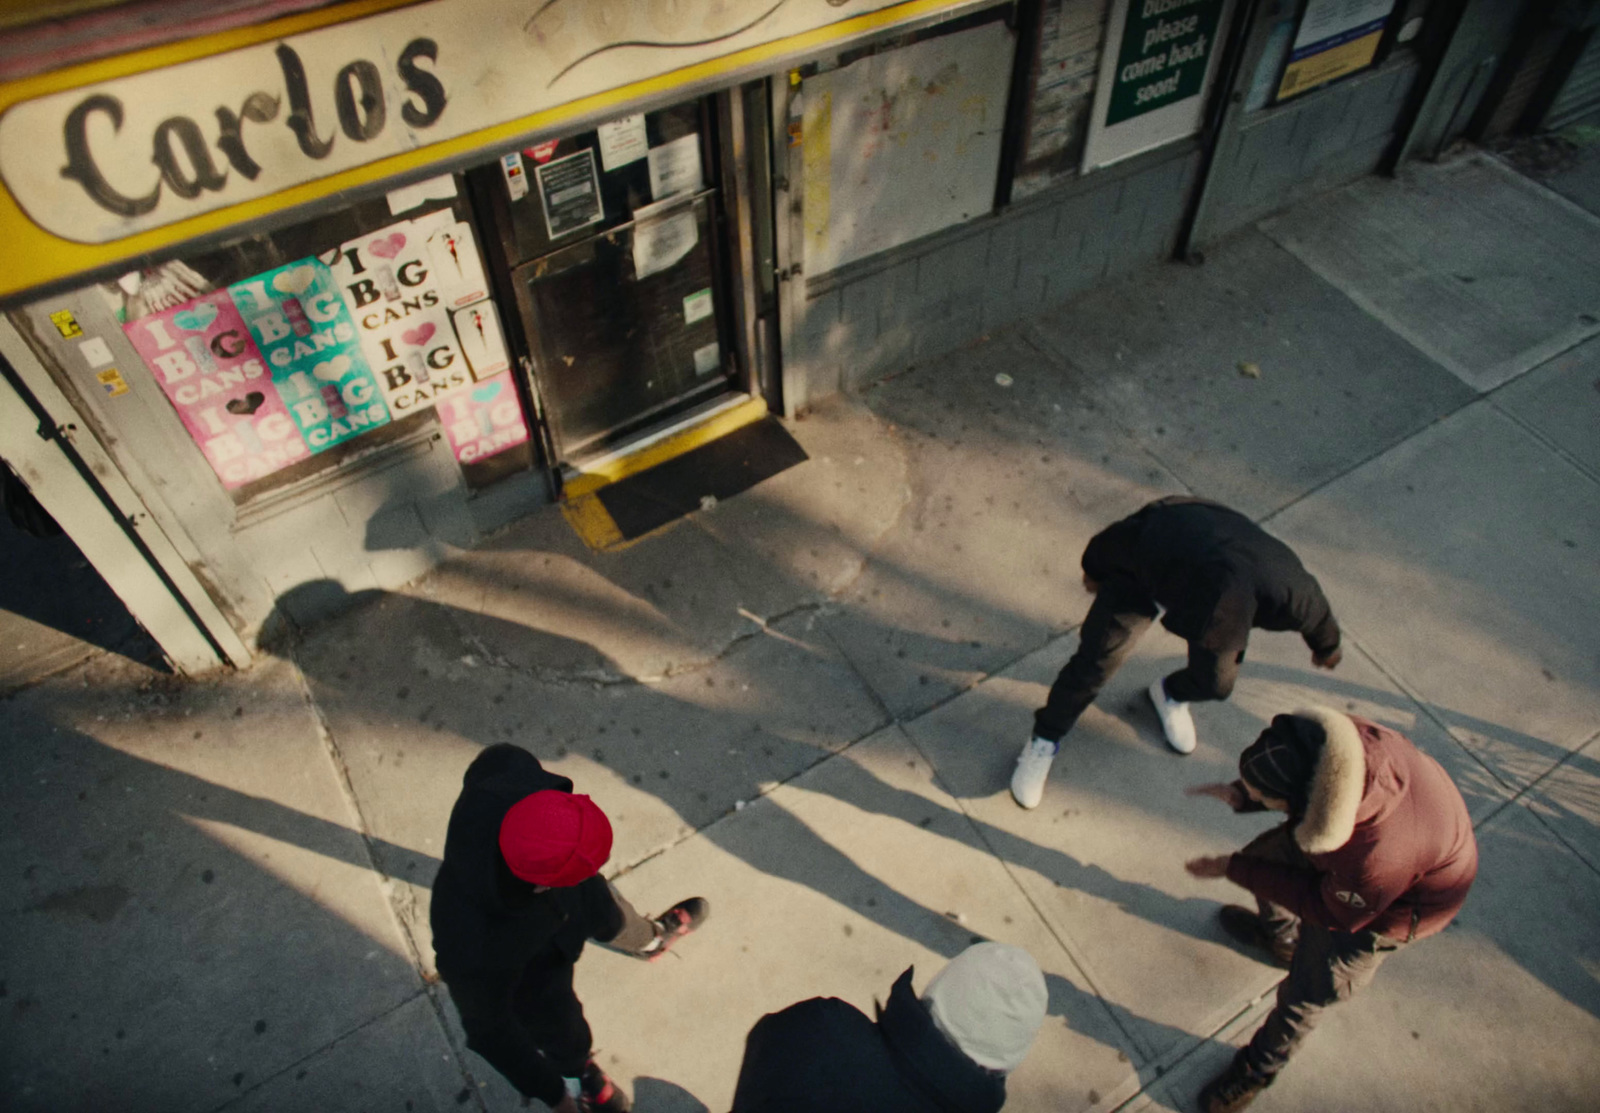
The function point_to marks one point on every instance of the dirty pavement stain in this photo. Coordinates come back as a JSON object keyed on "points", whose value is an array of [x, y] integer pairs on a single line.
{"points": [[98, 902]]}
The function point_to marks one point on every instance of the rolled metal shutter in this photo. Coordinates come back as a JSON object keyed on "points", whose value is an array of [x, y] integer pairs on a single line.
{"points": [[1580, 94]]}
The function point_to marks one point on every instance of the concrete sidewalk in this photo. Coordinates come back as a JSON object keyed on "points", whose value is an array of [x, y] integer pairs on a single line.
{"points": [[804, 704]]}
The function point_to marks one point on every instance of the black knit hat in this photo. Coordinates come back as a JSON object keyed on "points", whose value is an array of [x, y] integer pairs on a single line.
{"points": [[1282, 761]]}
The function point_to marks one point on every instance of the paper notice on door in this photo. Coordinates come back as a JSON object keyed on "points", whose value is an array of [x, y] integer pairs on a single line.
{"points": [[707, 359], [697, 306], [516, 176], [478, 329], [569, 190], [623, 141], [675, 168], [660, 242]]}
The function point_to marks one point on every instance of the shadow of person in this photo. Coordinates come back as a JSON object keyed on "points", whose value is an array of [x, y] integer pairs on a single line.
{"points": [[411, 688], [164, 928]]}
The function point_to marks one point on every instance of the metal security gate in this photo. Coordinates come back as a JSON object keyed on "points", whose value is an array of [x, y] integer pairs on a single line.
{"points": [[1580, 93]]}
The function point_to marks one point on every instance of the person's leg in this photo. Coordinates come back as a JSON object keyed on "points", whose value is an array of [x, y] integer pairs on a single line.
{"points": [[1328, 967], [553, 1017], [487, 1007], [1207, 676], [637, 932], [1118, 616], [551, 1014]]}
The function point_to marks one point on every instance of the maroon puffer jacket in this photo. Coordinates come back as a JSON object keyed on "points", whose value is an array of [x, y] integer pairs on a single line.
{"points": [[1387, 835]]}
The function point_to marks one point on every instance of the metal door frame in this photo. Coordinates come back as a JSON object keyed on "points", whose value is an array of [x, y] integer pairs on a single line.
{"points": [[73, 476]]}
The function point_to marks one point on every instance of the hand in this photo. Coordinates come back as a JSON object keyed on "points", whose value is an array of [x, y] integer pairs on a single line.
{"points": [[567, 1104], [1329, 660], [1229, 794], [1208, 867]]}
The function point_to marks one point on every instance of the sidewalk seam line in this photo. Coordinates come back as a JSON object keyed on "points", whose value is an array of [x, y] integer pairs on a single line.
{"points": [[330, 1045], [1066, 949], [1539, 435], [387, 885]]}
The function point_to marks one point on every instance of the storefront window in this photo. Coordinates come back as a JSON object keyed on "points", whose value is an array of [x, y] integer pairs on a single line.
{"points": [[901, 139], [286, 353], [1111, 79], [1320, 42], [1066, 62]]}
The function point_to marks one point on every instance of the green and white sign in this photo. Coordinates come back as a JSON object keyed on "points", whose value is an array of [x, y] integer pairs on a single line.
{"points": [[1157, 64], [1165, 47]]}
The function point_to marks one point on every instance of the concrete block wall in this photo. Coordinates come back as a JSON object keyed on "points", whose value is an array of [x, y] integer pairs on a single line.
{"points": [[925, 299], [1279, 156]]}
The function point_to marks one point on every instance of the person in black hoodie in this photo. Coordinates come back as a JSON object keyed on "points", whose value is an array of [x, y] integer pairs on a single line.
{"points": [[516, 896], [1211, 575], [949, 1052]]}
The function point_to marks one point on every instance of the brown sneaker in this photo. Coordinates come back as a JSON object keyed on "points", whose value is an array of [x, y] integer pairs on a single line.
{"points": [[1231, 1090], [1245, 925]]}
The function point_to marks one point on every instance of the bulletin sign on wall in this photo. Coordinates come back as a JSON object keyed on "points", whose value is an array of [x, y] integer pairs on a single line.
{"points": [[1335, 38], [289, 363], [1159, 60]]}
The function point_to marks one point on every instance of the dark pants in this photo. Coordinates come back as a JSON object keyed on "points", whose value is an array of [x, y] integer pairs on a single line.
{"points": [[531, 1031], [1119, 615], [1328, 966], [530, 1026]]}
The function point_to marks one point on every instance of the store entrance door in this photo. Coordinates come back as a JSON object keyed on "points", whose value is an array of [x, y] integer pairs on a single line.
{"points": [[614, 242]]}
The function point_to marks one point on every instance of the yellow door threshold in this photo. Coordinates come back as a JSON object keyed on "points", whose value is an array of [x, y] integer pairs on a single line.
{"points": [[581, 483]]}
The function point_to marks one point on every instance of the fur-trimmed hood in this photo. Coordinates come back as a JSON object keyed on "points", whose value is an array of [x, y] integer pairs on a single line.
{"points": [[1337, 784]]}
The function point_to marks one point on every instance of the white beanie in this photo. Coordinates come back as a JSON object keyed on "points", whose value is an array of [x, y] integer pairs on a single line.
{"points": [[989, 1001]]}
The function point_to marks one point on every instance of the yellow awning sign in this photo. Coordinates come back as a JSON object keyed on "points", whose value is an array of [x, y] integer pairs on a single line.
{"points": [[118, 158]]}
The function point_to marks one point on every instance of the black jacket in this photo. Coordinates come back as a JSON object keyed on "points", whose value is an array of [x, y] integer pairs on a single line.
{"points": [[1216, 572], [825, 1054], [498, 942], [484, 918]]}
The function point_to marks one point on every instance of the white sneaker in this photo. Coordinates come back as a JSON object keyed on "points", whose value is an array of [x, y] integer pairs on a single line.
{"points": [[1033, 768], [1176, 722]]}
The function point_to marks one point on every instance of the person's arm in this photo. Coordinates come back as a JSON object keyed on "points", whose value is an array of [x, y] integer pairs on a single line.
{"points": [[1317, 625], [1345, 898], [1232, 794]]}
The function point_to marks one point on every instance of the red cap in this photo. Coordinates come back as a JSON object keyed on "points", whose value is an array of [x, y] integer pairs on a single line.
{"points": [[555, 838]]}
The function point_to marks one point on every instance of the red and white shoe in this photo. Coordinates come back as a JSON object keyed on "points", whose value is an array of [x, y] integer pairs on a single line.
{"points": [[600, 1094], [676, 922]]}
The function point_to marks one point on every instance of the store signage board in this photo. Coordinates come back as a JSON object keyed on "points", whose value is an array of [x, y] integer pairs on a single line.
{"points": [[113, 159], [1158, 63], [1334, 39]]}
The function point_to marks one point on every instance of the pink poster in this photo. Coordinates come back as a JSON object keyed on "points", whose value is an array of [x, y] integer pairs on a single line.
{"points": [[205, 360], [483, 420]]}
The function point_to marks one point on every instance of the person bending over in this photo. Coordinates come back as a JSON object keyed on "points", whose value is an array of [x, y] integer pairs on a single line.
{"points": [[1377, 851], [1211, 575]]}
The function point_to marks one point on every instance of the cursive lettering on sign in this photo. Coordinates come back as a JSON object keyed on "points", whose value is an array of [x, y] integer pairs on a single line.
{"points": [[182, 153]]}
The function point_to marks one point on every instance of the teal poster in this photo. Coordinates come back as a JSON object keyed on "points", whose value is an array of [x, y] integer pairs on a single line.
{"points": [[305, 333]]}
